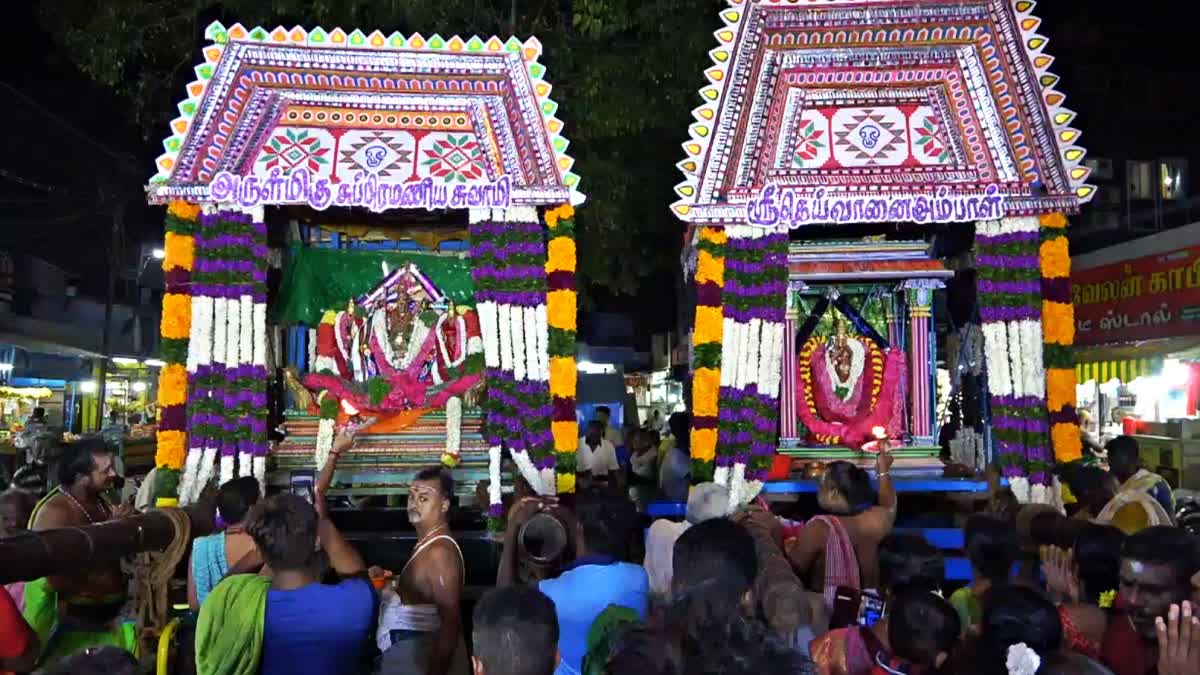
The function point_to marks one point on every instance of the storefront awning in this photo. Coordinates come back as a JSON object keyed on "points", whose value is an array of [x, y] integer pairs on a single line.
{"points": [[1125, 370], [1129, 361]]}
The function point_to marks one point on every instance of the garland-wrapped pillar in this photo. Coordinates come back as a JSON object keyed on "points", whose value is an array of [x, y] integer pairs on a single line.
{"points": [[227, 353], [707, 335], [1058, 327], [178, 261], [1010, 301], [509, 269], [754, 298], [561, 309]]}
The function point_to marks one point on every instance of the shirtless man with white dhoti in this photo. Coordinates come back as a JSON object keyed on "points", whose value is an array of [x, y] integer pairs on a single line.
{"points": [[420, 620]]}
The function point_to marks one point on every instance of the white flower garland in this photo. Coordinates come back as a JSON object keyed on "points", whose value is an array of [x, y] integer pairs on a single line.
{"points": [[200, 342], [754, 345], [453, 430], [218, 330], [379, 333], [324, 445], [737, 486], [721, 475], [532, 362], [494, 492], [1020, 488], [768, 360], [742, 363], [728, 350], [416, 340], [355, 358], [246, 331], [200, 346], [517, 327], [777, 360], [996, 348], [207, 463], [245, 465], [488, 326], [750, 490], [259, 357], [233, 328], [227, 467], [543, 342], [528, 471], [191, 466], [504, 330], [549, 482], [1031, 353]]}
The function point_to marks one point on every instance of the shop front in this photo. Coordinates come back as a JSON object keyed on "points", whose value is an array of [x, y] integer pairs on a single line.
{"points": [[1137, 315]]}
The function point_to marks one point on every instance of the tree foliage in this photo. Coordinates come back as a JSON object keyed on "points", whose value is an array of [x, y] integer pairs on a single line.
{"points": [[625, 73]]}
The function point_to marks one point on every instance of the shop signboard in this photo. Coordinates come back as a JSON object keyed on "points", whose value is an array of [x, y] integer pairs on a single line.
{"points": [[1145, 298]]}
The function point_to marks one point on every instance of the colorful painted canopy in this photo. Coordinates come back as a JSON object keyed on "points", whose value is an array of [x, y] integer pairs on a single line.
{"points": [[880, 98], [343, 106]]}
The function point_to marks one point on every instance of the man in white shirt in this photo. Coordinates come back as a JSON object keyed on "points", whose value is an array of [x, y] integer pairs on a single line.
{"points": [[596, 456], [612, 433]]}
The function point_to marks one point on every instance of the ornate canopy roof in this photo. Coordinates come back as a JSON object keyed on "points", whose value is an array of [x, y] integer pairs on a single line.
{"points": [[880, 98], [378, 121]]}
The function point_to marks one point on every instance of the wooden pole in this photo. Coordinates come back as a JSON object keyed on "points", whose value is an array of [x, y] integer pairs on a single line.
{"points": [[32, 555]]}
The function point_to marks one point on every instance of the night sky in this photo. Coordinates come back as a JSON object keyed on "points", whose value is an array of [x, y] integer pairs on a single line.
{"points": [[72, 150]]}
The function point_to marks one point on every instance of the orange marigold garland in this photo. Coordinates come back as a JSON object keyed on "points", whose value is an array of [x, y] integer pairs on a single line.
{"points": [[561, 309], [1058, 327], [707, 339], [178, 260]]}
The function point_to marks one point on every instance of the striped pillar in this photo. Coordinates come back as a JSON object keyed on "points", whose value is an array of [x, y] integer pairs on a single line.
{"points": [[788, 417], [893, 323], [920, 310]]}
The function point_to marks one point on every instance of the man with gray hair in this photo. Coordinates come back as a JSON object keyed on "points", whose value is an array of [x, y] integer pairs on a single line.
{"points": [[706, 501]]}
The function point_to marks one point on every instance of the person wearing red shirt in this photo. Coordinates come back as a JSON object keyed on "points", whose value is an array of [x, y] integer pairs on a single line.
{"points": [[18, 644]]}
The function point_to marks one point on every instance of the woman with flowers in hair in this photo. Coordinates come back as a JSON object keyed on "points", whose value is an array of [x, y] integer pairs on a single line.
{"points": [[1020, 629]]}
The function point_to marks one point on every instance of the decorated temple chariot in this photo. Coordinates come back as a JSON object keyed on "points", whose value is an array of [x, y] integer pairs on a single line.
{"points": [[875, 194], [375, 229]]}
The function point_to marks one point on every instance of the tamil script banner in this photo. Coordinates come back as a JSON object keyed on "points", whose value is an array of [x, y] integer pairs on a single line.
{"points": [[1156, 296]]}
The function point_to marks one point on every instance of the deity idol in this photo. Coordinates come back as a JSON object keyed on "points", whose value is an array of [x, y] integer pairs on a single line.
{"points": [[400, 346], [847, 386]]}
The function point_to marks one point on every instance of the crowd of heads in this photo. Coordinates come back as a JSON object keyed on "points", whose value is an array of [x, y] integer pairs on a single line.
{"points": [[712, 620]]}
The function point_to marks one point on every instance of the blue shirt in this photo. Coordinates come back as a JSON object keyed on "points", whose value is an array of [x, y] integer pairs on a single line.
{"points": [[1161, 493], [582, 592], [318, 629], [676, 475]]}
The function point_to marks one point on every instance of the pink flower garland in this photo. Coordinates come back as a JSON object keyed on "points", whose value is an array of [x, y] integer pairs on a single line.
{"points": [[856, 433]]}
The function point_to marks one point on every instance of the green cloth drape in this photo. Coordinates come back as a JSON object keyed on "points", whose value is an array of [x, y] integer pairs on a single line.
{"points": [[229, 633], [320, 279]]}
